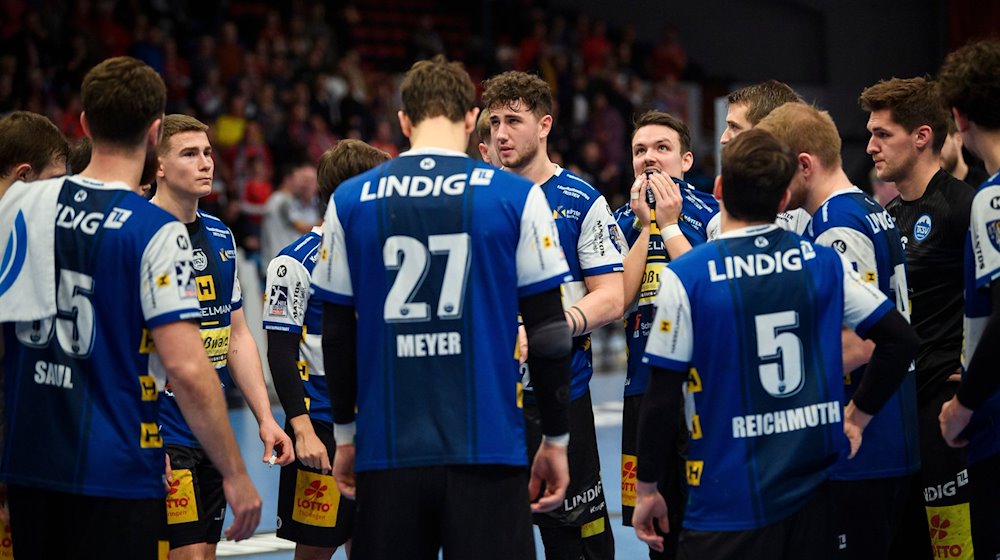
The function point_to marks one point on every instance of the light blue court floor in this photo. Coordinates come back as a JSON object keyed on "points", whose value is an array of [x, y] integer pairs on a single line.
{"points": [[606, 392]]}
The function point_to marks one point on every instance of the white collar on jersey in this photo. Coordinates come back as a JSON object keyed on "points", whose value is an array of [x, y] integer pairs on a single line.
{"points": [[845, 190], [95, 184], [433, 152], [747, 231]]}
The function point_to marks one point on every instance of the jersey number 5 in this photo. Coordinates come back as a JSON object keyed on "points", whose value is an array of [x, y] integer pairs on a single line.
{"points": [[781, 376], [412, 259], [74, 320]]}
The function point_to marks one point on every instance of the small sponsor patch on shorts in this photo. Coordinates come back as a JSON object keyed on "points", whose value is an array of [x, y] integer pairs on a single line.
{"points": [[182, 505], [317, 499]]}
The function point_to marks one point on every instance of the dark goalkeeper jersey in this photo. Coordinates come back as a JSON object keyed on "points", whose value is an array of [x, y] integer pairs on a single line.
{"points": [[933, 229]]}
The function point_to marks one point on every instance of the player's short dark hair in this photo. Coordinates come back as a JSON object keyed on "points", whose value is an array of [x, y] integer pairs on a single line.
{"points": [[483, 127], [121, 97], [177, 124], [969, 81], [805, 129], [435, 88], [27, 137], [756, 171], [913, 102], [344, 160], [79, 155], [664, 119], [763, 98], [514, 88]]}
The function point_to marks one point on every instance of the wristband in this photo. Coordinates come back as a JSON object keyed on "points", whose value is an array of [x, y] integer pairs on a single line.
{"points": [[559, 441], [343, 434], [670, 232]]}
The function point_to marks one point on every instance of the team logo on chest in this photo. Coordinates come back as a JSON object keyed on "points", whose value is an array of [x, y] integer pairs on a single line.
{"points": [[200, 261], [922, 228]]}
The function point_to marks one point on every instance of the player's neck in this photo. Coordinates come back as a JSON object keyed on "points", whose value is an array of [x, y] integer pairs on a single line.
{"points": [[439, 132], [110, 164], [915, 183], [729, 223], [825, 183], [5, 184], [183, 208], [961, 169], [988, 143], [539, 169]]}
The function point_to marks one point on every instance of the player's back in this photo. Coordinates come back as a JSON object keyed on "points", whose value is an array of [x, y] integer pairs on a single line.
{"points": [[777, 304], [82, 409], [436, 246]]}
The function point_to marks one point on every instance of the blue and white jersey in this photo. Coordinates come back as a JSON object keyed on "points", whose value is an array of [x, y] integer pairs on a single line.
{"points": [[82, 410], [218, 292], [698, 210], [593, 245], [763, 411], [982, 268], [433, 250], [289, 307], [865, 234]]}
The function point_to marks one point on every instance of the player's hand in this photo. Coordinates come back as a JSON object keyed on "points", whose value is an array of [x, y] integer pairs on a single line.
{"points": [[650, 506], [522, 344], [277, 441], [954, 418], [855, 422], [343, 470], [244, 500], [668, 199], [637, 200], [550, 467], [168, 472], [311, 452]]}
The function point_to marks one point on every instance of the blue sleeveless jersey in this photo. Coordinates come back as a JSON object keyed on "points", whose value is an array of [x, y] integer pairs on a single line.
{"points": [[764, 408], [697, 210], [866, 235], [433, 250], [81, 406], [218, 293], [982, 267], [289, 307], [593, 245]]}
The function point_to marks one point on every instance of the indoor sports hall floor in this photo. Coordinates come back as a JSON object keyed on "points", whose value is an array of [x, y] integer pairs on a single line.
{"points": [[607, 396]]}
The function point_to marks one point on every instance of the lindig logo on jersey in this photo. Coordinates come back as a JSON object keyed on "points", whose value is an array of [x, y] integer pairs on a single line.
{"points": [[71, 218], [415, 186]]}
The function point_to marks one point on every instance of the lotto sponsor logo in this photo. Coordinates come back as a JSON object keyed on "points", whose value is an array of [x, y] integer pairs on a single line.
{"points": [[629, 470], [950, 531], [317, 499], [181, 501]]}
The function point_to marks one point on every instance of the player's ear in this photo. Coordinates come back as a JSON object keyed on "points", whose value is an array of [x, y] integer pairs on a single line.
{"points": [[22, 172], [155, 132], [485, 152], [961, 120], [923, 136], [687, 160], [470, 120], [806, 164], [717, 188], [545, 124], [405, 124], [85, 126]]}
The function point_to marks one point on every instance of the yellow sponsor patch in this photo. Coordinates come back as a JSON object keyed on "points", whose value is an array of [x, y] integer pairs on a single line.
{"points": [[317, 499], [182, 505], [951, 531], [546, 242], [308, 402], [629, 470], [694, 470], [162, 550], [695, 426], [146, 344], [216, 342], [595, 527], [150, 435], [694, 381], [147, 387], [206, 287], [869, 276], [665, 326], [650, 283], [6, 544], [162, 281], [520, 395]]}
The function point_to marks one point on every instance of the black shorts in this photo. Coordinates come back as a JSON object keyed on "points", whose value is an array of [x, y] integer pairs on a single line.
{"points": [[196, 504], [867, 515], [673, 489], [936, 515], [47, 524], [311, 510], [471, 511], [985, 507], [581, 524], [805, 535]]}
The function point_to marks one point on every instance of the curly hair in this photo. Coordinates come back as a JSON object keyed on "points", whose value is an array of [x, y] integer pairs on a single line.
{"points": [[513, 88]]}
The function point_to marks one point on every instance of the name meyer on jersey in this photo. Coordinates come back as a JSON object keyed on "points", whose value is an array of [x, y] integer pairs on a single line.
{"points": [[421, 345]]}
